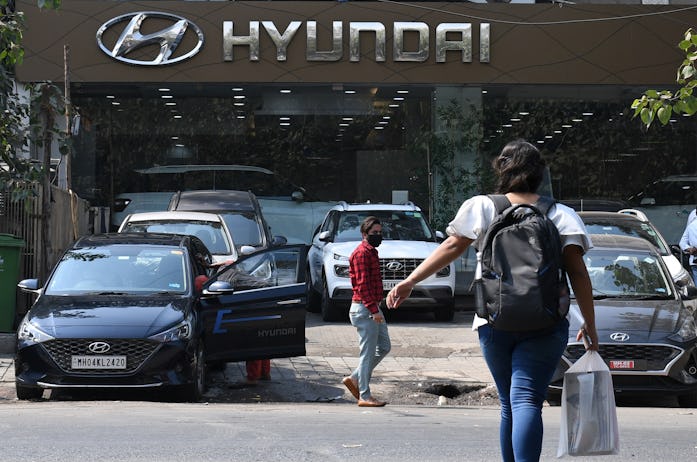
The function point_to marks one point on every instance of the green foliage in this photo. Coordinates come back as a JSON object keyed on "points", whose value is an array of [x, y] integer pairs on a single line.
{"points": [[460, 132], [663, 104], [17, 125]]}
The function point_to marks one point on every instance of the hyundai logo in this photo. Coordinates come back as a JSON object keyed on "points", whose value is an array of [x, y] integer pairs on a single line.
{"points": [[394, 266], [131, 39], [619, 336], [99, 347]]}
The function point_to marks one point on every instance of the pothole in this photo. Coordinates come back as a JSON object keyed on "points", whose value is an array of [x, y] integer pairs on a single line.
{"points": [[451, 391]]}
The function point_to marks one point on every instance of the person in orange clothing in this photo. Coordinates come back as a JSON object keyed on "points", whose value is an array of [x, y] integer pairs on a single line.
{"points": [[258, 369]]}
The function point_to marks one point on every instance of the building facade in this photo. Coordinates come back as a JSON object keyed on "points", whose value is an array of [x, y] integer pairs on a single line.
{"points": [[362, 101]]}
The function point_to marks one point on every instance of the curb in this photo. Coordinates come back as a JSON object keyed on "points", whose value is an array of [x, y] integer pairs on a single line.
{"points": [[7, 343]]}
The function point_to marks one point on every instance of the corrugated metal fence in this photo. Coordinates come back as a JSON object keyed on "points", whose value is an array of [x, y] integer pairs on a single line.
{"points": [[23, 219]]}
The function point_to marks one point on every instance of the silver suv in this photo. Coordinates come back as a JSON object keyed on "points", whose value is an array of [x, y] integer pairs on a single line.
{"points": [[407, 241]]}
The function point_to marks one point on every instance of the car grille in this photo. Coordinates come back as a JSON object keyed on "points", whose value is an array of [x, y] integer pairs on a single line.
{"points": [[135, 350], [398, 268], [656, 356]]}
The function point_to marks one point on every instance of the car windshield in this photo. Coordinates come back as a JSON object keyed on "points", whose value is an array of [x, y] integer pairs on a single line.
{"points": [[210, 233], [638, 229], [120, 269], [404, 225], [627, 274], [244, 227], [667, 192]]}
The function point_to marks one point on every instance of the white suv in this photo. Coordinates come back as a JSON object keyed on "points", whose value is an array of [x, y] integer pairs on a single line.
{"points": [[407, 241]]}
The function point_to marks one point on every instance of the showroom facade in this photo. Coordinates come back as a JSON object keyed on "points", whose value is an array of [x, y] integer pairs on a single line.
{"points": [[364, 101]]}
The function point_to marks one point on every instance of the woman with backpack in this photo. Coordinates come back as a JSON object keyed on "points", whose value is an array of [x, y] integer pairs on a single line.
{"points": [[521, 362]]}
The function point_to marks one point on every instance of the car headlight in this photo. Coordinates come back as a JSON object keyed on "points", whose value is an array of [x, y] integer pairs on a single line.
{"points": [[683, 279], [687, 330], [443, 272], [341, 271], [28, 332], [181, 331], [340, 257]]}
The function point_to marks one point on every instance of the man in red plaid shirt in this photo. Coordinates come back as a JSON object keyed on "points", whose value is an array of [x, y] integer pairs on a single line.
{"points": [[365, 314]]}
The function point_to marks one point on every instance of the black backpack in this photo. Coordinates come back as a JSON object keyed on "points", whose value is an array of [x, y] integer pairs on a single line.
{"points": [[523, 283]]}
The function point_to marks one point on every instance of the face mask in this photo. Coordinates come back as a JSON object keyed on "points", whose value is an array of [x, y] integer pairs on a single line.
{"points": [[374, 239]]}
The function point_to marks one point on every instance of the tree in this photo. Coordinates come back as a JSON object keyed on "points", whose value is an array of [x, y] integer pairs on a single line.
{"points": [[18, 172], [663, 104]]}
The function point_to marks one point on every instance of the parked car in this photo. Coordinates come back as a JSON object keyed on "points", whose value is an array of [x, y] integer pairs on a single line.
{"points": [[208, 227], [595, 205], [667, 202], [240, 211], [630, 222], [289, 209], [407, 241], [124, 310], [647, 335]]}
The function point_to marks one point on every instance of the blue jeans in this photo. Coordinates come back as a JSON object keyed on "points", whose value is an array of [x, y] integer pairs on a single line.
{"points": [[374, 343], [522, 365], [694, 272]]}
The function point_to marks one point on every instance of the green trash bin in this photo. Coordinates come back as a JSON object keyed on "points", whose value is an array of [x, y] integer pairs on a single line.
{"points": [[10, 251]]}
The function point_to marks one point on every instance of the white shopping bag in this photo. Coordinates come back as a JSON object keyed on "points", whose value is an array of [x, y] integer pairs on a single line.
{"points": [[588, 414]]}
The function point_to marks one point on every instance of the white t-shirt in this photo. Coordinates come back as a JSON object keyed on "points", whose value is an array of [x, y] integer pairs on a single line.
{"points": [[477, 213]]}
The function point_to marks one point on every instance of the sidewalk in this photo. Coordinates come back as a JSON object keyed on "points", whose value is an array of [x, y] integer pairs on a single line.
{"points": [[423, 352]]}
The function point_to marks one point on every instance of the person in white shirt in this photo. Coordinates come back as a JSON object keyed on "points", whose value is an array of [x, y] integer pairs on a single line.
{"points": [[521, 363]]}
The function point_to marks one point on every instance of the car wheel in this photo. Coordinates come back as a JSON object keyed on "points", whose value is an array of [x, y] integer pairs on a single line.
{"points": [[445, 313], [329, 308], [193, 391], [313, 298], [27, 393], [688, 400]]}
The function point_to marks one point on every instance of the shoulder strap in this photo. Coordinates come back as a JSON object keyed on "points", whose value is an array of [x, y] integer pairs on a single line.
{"points": [[501, 202], [544, 204]]}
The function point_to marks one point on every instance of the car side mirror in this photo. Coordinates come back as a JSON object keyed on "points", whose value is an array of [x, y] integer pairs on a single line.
{"points": [[219, 288], [440, 236], [297, 196], [247, 249], [29, 285], [325, 236], [278, 241]]}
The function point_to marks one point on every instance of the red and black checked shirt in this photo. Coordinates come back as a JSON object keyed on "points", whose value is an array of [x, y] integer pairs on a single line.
{"points": [[364, 269]]}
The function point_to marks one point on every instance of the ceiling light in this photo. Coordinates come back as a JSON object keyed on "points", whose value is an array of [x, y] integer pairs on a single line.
{"points": [[166, 96], [349, 92], [170, 103], [285, 91], [237, 89], [163, 89]]}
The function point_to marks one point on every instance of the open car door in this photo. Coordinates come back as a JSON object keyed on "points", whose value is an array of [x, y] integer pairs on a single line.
{"points": [[255, 308]]}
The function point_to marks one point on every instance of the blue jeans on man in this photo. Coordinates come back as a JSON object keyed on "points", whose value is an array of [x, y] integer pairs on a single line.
{"points": [[374, 344], [522, 365]]}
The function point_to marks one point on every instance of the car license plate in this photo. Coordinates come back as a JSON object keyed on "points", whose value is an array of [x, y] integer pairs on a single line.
{"points": [[387, 285], [626, 364], [98, 362]]}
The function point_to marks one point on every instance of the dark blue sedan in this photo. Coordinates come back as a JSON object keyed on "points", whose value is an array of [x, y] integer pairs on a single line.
{"points": [[146, 311]]}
